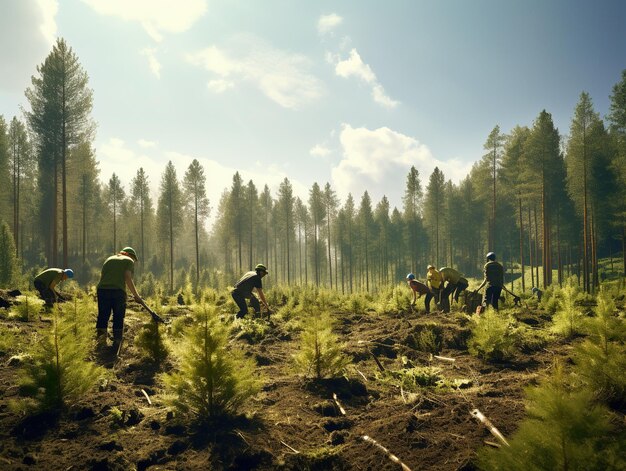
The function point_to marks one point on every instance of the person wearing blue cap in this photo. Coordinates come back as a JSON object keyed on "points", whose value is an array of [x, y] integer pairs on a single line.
{"points": [[47, 280], [419, 289]]}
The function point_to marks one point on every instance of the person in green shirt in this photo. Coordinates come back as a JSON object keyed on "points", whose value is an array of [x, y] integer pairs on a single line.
{"points": [[47, 280], [115, 277]]}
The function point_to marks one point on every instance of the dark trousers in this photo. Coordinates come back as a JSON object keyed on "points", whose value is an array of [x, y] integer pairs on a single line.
{"points": [[460, 287], [445, 296], [240, 299], [430, 295], [44, 292], [492, 295], [111, 300]]}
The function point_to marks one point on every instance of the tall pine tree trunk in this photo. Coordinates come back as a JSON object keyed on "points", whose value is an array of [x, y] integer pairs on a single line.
{"points": [[530, 249], [521, 243]]}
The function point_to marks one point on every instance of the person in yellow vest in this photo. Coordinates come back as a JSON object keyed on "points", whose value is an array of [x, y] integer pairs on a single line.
{"points": [[435, 283], [454, 284]]}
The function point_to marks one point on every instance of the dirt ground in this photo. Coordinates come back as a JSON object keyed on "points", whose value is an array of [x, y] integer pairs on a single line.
{"points": [[293, 424]]}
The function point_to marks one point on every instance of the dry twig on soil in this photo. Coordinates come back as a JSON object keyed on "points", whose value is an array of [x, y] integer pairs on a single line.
{"points": [[341, 409], [494, 431], [390, 455]]}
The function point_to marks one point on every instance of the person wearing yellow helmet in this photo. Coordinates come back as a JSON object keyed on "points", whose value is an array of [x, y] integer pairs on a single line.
{"points": [[249, 282]]}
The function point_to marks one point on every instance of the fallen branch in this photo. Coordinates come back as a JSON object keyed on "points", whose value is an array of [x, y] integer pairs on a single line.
{"points": [[390, 455], [493, 444], [494, 431], [362, 375], [402, 394], [380, 366], [451, 360], [291, 448], [341, 409], [146, 396]]}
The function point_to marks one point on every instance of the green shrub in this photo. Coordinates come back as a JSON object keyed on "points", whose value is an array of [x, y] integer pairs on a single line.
{"points": [[9, 340], [569, 319], [427, 340], [253, 330], [564, 430], [26, 309], [494, 335], [59, 373], [412, 379], [320, 353], [601, 358], [209, 379], [150, 341]]}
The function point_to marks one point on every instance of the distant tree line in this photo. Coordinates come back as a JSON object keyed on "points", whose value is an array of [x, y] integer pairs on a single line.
{"points": [[543, 201]]}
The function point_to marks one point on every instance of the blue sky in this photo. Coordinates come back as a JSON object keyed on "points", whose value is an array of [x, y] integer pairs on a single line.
{"points": [[352, 93]]}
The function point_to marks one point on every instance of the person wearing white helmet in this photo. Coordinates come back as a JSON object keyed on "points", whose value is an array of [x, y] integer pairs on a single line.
{"points": [[47, 280], [250, 281]]}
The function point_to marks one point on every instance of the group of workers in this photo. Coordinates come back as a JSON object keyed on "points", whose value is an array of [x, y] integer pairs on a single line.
{"points": [[447, 283], [117, 275]]}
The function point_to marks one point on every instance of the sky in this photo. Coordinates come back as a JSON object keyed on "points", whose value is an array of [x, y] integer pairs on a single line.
{"points": [[352, 93]]}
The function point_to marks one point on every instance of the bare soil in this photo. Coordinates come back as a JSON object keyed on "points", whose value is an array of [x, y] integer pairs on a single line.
{"points": [[293, 424]]}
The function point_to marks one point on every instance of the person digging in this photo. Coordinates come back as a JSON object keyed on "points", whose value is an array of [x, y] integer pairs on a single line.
{"points": [[249, 282], [494, 279], [419, 289], [47, 280], [115, 277]]}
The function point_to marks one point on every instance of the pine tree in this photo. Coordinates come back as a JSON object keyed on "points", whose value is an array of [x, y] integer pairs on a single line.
{"points": [[434, 205], [320, 354], [194, 184], [61, 104], [169, 214], [565, 430], [8, 260], [115, 195], [59, 374], [210, 379]]}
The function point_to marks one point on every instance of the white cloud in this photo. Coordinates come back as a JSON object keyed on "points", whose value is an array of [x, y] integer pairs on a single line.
{"points": [[380, 97], [155, 65], [155, 16], [48, 26], [320, 151], [27, 32], [282, 76], [220, 85], [378, 160], [146, 144], [354, 66], [327, 22]]}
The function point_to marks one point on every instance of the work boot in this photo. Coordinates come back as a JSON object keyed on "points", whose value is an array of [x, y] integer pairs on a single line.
{"points": [[101, 339], [118, 337]]}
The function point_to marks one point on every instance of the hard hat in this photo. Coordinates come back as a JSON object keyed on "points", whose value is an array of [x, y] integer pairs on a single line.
{"points": [[430, 266], [491, 256], [261, 267], [69, 272], [129, 251], [410, 276]]}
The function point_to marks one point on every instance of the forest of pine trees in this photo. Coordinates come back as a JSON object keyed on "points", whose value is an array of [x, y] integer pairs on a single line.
{"points": [[549, 202]]}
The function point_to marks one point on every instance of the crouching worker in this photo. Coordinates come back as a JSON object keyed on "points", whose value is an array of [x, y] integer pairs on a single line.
{"points": [[243, 290], [419, 289], [47, 280], [116, 275]]}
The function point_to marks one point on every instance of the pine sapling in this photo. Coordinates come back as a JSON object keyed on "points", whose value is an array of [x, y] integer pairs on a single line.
{"points": [[565, 430], [568, 320], [210, 379], [494, 335], [59, 373], [321, 353], [601, 358], [150, 341]]}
